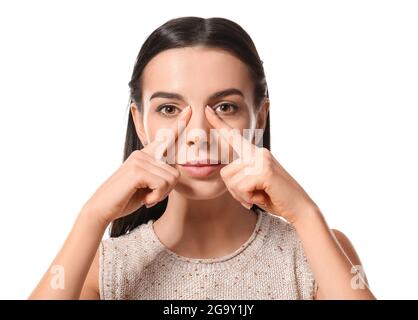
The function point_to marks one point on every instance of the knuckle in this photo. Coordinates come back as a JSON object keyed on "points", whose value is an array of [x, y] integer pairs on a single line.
{"points": [[268, 169], [170, 181], [159, 193], [232, 185], [151, 198], [241, 188], [265, 153], [163, 184], [136, 154], [176, 174], [223, 172], [236, 197], [137, 166], [134, 169]]}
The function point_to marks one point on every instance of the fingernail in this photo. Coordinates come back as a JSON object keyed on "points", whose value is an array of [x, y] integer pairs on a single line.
{"points": [[248, 206], [151, 204], [210, 109], [185, 109]]}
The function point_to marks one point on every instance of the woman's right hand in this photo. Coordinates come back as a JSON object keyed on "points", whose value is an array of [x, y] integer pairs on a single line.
{"points": [[142, 179]]}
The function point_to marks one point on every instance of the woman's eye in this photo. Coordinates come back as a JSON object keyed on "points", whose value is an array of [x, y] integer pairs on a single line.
{"points": [[168, 110], [226, 108]]}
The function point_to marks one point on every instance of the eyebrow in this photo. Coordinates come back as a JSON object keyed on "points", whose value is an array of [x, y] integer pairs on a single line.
{"points": [[216, 95]]}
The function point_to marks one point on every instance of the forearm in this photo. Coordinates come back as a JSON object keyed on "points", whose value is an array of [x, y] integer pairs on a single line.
{"points": [[65, 277], [329, 264]]}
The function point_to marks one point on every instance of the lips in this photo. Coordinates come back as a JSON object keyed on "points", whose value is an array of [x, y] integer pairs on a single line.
{"points": [[201, 169]]}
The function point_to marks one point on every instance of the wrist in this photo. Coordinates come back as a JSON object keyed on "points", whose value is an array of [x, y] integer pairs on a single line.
{"points": [[307, 216], [92, 218]]}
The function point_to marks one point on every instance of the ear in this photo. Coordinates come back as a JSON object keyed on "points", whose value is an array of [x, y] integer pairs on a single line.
{"points": [[139, 124], [261, 117]]}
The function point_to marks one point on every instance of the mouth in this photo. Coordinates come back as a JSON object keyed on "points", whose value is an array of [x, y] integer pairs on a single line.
{"points": [[201, 169]]}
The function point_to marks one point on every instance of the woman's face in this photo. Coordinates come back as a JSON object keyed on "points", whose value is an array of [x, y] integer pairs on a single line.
{"points": [[197, 76]]}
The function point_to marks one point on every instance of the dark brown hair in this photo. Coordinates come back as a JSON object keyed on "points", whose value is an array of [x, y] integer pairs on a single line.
{"points": [[186, 32]]}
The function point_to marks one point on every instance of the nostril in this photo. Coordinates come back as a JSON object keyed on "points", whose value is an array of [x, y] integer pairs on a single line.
{"points": [[194, 140]]}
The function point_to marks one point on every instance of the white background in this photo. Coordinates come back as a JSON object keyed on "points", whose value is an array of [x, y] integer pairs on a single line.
{"points": [[343, 80]]}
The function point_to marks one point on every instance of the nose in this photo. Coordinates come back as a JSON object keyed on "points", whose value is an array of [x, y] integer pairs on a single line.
{"points": [[198, 128]]}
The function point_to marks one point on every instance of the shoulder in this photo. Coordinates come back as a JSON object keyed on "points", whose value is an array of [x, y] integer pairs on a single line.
{"points": [[132, 246], [285, 233], [137, 237], [346, 246], [122, 257], [291, 255], [133, 234]]}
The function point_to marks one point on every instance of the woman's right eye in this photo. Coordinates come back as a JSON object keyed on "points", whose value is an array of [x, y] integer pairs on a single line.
{"points": [[168, 110]]}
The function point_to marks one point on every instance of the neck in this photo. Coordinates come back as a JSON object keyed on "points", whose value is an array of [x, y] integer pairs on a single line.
{"points": [[204, 228]]}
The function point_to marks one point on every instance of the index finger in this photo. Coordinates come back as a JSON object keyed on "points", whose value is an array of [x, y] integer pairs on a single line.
{"points": [[166, 137], [232, 136]]}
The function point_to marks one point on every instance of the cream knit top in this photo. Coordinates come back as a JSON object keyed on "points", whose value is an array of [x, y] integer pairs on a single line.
{"points": [[271, 264]]}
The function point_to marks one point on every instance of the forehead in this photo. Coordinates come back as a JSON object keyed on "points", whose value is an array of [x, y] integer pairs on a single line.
{"points": [[196, 72]]}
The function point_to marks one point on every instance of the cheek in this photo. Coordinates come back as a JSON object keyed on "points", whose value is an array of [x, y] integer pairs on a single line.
{"points": [[244, 124], [244, 119], [153, 123]]}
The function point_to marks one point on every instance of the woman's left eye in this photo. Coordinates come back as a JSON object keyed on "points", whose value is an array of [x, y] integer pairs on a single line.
{"points": [[226, 108]]}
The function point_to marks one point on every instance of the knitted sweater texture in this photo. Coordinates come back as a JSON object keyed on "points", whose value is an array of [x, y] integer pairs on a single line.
{"points": [[271, 264]]}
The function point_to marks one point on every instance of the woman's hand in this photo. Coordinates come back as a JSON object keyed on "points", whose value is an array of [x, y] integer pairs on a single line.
{"points": [[141, 179], [256, 177]]}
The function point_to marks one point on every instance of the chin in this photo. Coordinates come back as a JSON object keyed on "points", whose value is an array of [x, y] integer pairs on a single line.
{"points": [[201, 189]]}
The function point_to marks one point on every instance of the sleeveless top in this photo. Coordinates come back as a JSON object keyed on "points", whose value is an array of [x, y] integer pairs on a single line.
{"points": [[271, 264]]}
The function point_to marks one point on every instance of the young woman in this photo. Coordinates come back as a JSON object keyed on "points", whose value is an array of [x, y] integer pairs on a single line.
{"points": [[240, 228]]}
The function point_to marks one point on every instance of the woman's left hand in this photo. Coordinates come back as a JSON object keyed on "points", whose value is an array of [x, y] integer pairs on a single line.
{"points": [[256, 177]]}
